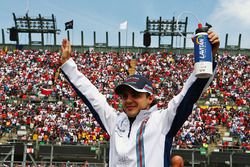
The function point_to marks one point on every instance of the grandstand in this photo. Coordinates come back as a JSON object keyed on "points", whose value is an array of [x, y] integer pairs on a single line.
{"points": [[43, 122]]}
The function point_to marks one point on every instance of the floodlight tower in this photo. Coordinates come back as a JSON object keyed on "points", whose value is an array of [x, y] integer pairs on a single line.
{"points": [[169, 28], [34, 25]]}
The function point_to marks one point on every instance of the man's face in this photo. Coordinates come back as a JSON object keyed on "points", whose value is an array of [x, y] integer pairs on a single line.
{"points": [[133, 102]]}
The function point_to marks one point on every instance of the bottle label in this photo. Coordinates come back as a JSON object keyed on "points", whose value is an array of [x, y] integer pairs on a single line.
{"points": [[203, 56], [202, 48], [203, 69]]}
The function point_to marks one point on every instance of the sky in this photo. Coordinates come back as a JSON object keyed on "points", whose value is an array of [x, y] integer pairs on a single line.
{"points": [[226, 16]]}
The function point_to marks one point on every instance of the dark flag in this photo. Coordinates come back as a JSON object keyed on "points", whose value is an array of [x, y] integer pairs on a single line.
{"points": [[69, 25]]}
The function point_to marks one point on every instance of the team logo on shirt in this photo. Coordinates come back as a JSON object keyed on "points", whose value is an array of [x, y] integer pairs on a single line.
{"points": [[123, 160], [121, 126]]}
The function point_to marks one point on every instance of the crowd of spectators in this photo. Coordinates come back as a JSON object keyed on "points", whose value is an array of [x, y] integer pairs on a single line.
{"points": [[33, 93]]}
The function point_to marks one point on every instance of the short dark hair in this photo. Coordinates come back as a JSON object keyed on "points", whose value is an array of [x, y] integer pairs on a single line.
{"points": [[154, 102]]}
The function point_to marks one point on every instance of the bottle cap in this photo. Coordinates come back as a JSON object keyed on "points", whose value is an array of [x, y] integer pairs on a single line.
{"points": [[201, 29], [199, 25]]}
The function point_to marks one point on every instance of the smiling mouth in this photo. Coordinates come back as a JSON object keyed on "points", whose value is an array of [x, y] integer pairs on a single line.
{"points": [[130, 107]]}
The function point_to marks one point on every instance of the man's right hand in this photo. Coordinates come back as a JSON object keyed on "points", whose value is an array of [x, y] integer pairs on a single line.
{"points": [[66, 51]]}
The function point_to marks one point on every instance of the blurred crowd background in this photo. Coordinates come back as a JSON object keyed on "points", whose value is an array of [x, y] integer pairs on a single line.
{"points": [[37, 103]]}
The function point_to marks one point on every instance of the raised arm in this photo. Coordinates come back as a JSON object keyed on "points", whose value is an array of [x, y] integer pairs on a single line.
{"points": [[96, 102], [181, 106], [66, 51]]}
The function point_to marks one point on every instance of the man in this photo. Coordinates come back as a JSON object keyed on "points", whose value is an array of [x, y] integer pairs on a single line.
{"points": [[141, 135], [85, 164], [177, 161]]}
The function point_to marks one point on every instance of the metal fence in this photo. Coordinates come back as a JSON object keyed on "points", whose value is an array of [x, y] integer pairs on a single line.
{"points": [[47, 164]]}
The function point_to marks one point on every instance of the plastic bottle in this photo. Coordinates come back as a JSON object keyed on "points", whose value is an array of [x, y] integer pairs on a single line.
{"points": [[203, 53]]}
